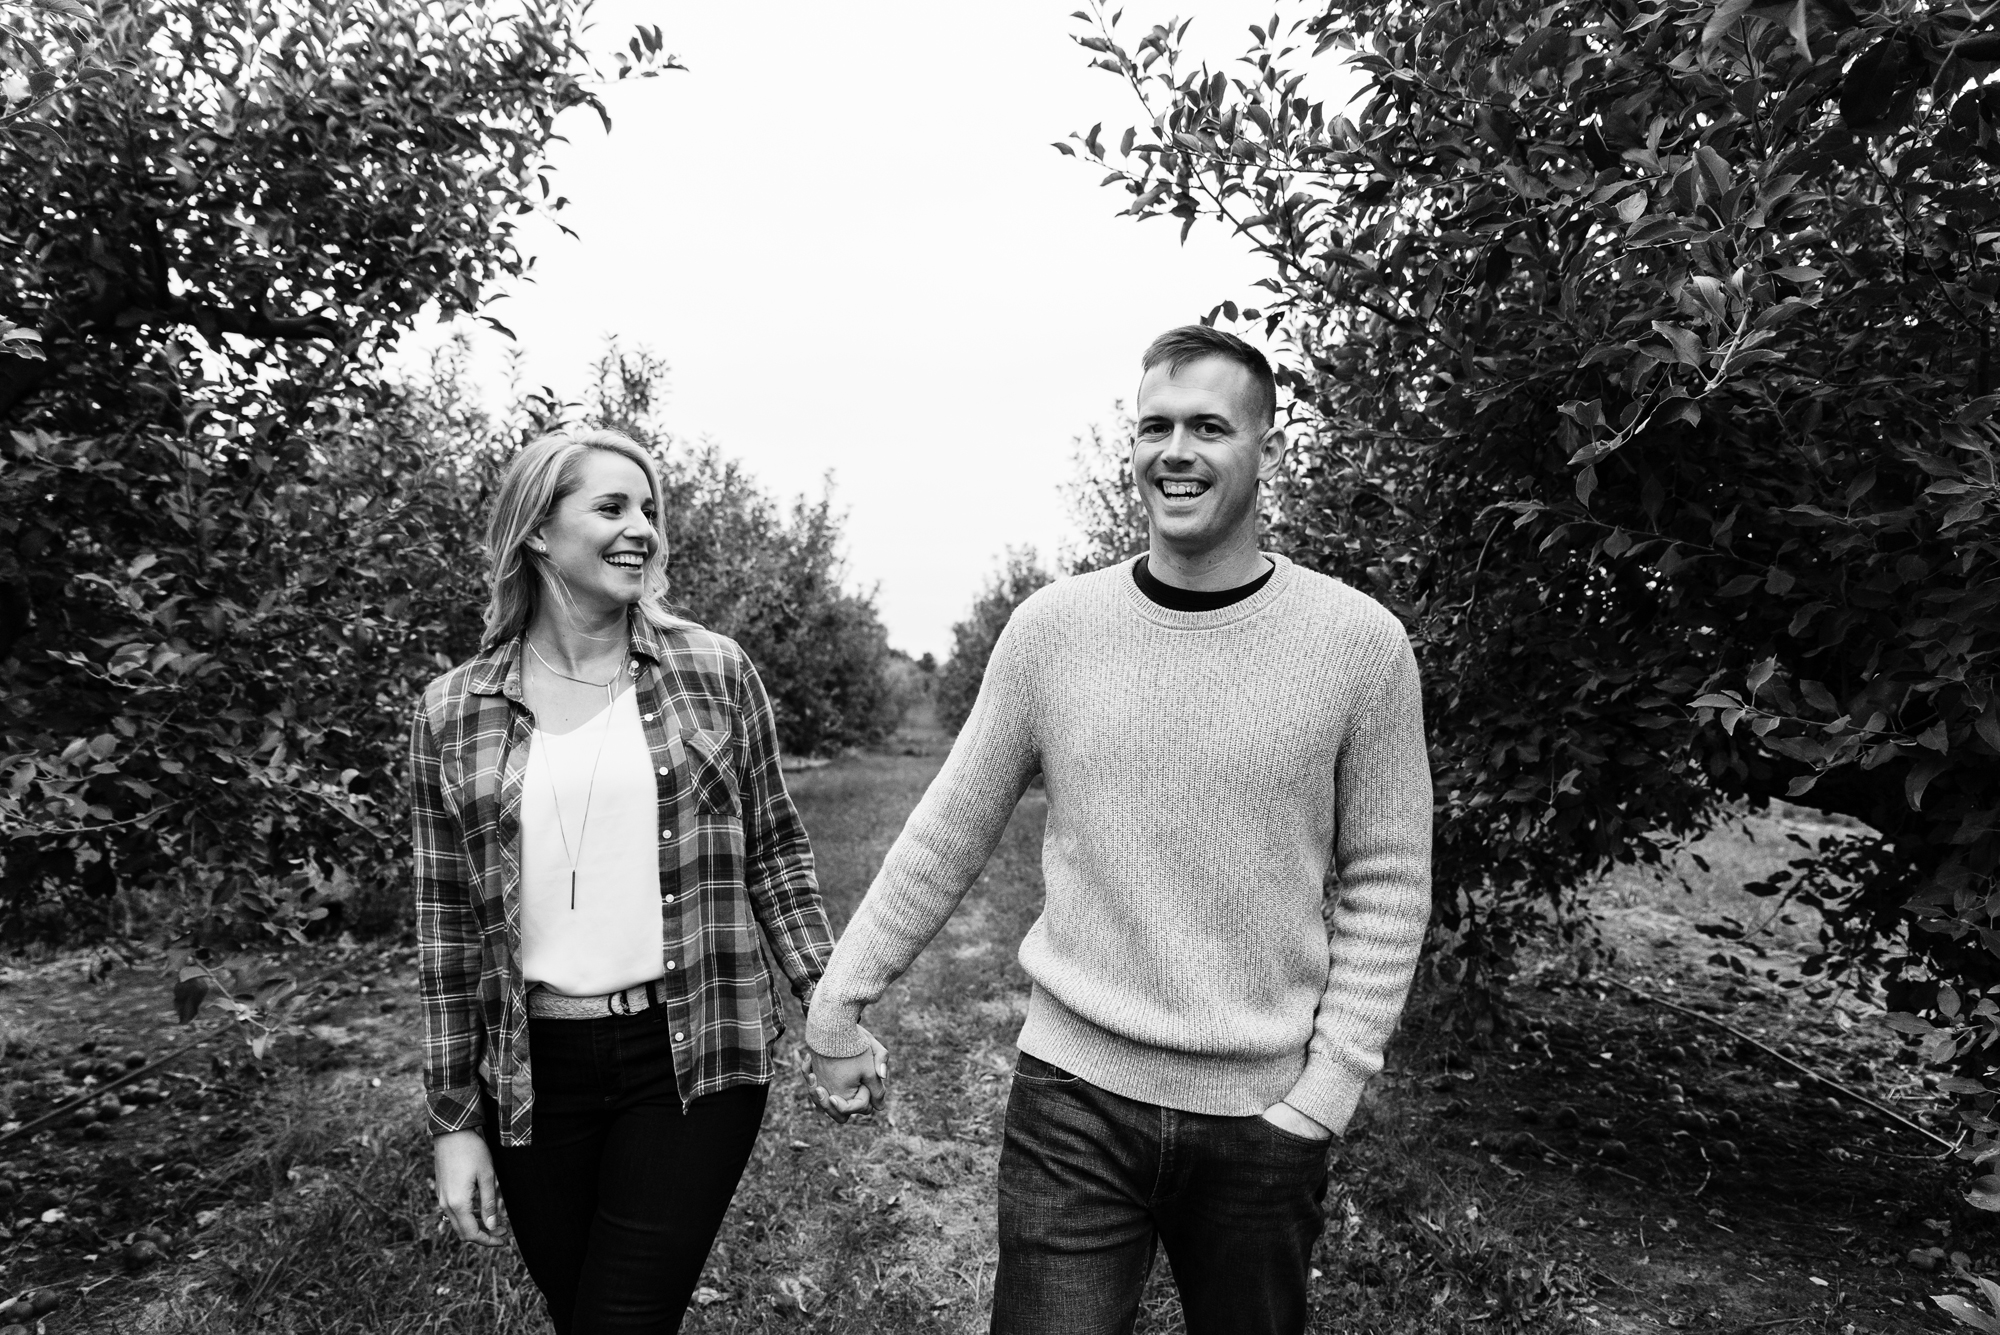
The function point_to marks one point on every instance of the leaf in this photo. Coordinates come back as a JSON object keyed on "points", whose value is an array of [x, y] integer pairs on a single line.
{"points": [[1524, 183], [1981, 408], [1869, 90], [1686, 343], [1799, 24], [1967, 1313], [1586, 483], [1716, 700], [1710, 290], [1961, 513], [1718, 170], [1495, 127], [1904, 1022], [1919, 778], [189, 993], [1723, 19]]}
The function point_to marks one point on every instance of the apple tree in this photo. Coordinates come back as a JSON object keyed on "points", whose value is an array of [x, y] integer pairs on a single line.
{"points": [[1643, 358]]}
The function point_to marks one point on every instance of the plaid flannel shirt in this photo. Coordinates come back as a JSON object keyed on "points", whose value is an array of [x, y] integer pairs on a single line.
{"points": [[733, 859]]}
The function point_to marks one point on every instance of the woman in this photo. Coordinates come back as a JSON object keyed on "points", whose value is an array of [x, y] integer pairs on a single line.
{"points": [[600, 831]]}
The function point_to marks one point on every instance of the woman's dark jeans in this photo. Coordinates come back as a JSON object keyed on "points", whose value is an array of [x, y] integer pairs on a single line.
{"points": [[617, 1200], [1091, 1182]]}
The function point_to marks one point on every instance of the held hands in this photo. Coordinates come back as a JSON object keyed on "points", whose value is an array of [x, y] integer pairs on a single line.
{"points": [[1287, 1118], [844, 1087], [468, 1193]]}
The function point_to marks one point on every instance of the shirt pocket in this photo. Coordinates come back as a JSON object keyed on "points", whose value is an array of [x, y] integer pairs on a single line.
{"points": [[711, 773]]}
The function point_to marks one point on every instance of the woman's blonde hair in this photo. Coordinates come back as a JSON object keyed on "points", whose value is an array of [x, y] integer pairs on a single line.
{"points": [[536, 480]]}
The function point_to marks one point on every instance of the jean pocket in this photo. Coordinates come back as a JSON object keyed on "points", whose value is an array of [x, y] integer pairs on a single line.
{"points": [[1037, 1071], [1293, 1139]]}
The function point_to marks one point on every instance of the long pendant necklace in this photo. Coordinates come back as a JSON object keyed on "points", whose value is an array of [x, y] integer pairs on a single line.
{"points": [[562, 828]]}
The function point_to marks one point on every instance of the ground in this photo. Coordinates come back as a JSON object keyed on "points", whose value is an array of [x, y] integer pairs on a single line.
{"points": [[1604, 1163]]}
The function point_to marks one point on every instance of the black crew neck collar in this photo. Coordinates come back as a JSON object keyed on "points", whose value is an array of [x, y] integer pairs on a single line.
{"points": [[1194, 600]]}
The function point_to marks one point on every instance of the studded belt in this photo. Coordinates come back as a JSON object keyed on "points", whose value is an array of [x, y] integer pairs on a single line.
{"points": [[558, 1006]]}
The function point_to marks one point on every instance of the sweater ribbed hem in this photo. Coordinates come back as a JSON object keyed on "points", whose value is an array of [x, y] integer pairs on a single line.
{"points": [[1188, 1081], [834, 1032], [1327, 1093]]}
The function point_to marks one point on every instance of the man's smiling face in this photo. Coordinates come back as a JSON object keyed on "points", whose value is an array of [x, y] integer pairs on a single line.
{"points": [[1203, 442]]}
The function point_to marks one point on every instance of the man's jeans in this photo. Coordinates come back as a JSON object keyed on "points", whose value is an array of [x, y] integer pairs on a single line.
{"points": [[1090, 1182]]}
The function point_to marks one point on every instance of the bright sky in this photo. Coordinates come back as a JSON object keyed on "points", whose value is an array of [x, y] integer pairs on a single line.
{"points": [[845, 230]]}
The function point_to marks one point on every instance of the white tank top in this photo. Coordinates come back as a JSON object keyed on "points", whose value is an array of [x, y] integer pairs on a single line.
{"points": [[611, 939]]}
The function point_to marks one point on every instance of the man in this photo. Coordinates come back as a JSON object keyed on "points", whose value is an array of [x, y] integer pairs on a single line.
{"points": [[1238, 878]]}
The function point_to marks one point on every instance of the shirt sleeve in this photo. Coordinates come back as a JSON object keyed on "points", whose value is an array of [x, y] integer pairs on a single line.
{"points": [[784, 892], [448, 953], [1382, 853], [939, 853]]}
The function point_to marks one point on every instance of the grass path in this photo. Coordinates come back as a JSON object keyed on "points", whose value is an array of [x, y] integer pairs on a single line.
{"points": [[1480, 1191], [889, 1226]]}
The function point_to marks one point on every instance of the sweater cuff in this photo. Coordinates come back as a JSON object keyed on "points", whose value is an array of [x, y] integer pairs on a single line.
{"points": [[453, 1109], [1327, 1094], [834, 1031]]}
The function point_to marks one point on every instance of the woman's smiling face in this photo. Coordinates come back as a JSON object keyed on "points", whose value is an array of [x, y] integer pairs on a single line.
{"points": [[597, 540]]}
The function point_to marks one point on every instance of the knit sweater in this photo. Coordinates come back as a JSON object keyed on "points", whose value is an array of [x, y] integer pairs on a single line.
{"points": [[1237, 857]]}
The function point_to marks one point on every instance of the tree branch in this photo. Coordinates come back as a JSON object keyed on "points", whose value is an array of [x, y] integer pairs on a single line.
{"points": [[1800, 1067], [213, 321], [20, 377]]}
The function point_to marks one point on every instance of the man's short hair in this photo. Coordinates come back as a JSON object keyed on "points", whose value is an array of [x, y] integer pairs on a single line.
{"points": [[1192, 342]]}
